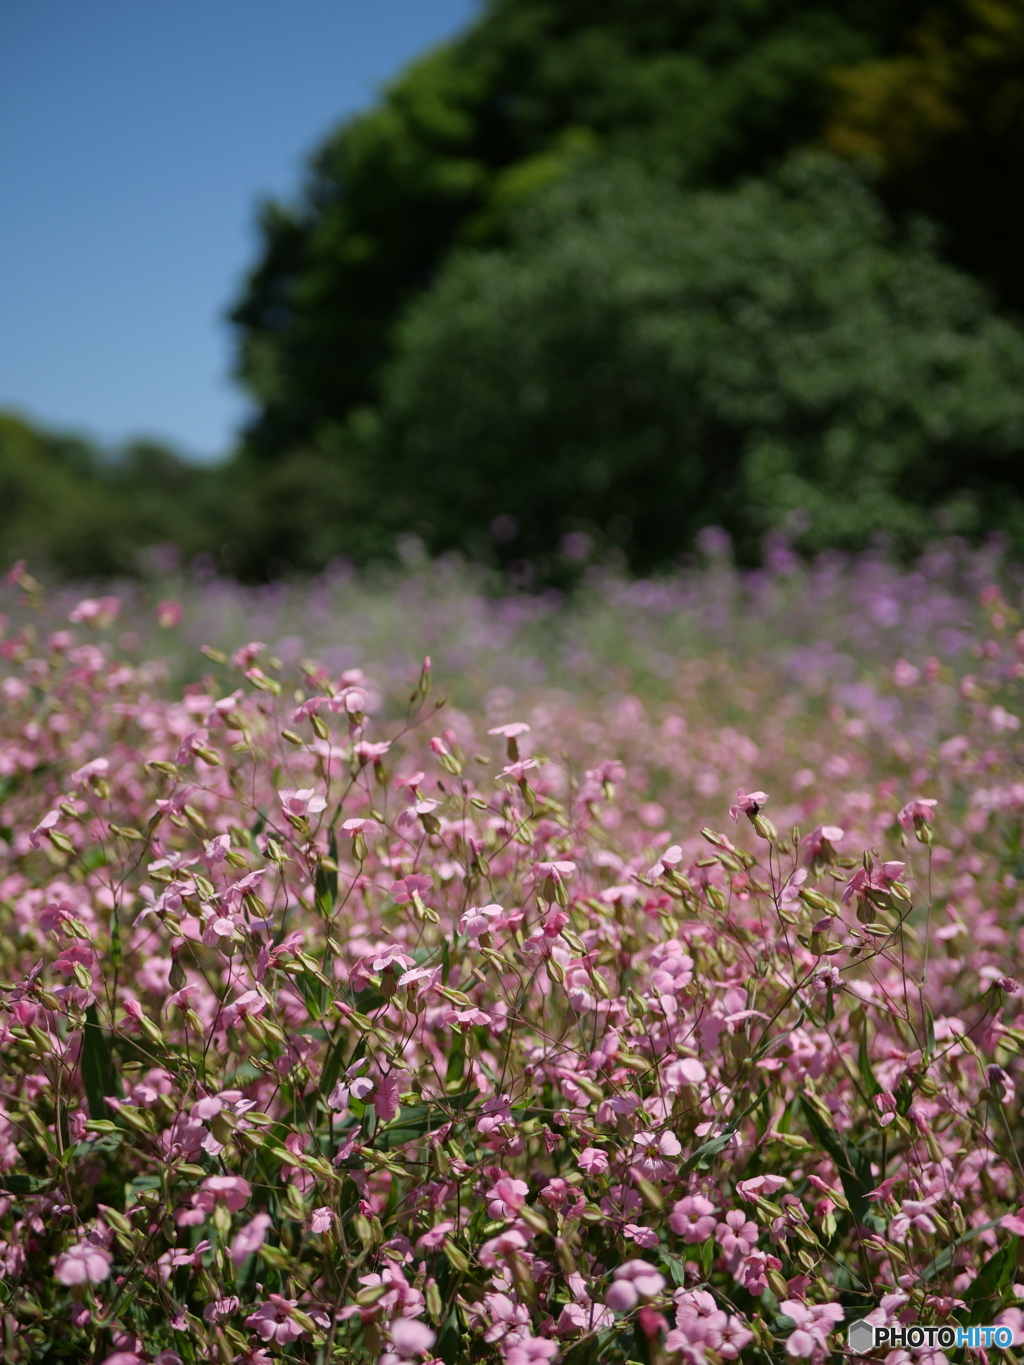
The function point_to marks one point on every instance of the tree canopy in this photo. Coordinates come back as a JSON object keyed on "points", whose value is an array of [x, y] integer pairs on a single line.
{"points": [[617, 270], [637, 362], [698, 92], [85, 512]]}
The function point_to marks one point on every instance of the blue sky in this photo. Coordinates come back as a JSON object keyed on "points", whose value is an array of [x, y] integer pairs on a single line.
{"points": [[136, 138]]}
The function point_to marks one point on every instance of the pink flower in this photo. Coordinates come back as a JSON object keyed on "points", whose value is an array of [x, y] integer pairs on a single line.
{"points": [[220, 1308], [711, 1330], [96, 611], [386, 1099], [492, 1253], [321, 1219], [583, 1316], [752, 1271], [435, 1236], [748, 804], [821, 840], [650, 1151], [593, 1161], [391, 954], [633, 1281], [862, 883], [45, 825], [367, 752], [531, 1351], [98, 767], [760, 1185], [920, 809], [913, 1214], [232, 1190], [813, 1322], [248, 1005], [1014, 1319], [360, 826], [507, 1197], [477, 922], [169, 614], [885, 1103], [737, 1235], [511, 731], [410, 1337], [273, 1321], [243, 657], [693, 1217], [904, 674], [84, 1263], [558, 871], [248, 1239], [303, 802], [644, 1237], [518, 770], [416, 884]]}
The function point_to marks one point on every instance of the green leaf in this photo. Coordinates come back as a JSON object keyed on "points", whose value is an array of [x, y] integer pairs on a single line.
{"points": [[413, 1121], [853, 1165], [94, 858], [332, 1068], [929, 1031], [944, 1258], [326, 891], [311, 993], [676, 1269], [24, 1184], [115, 939], [456, 1060], [448, 1338], [864, 1064], [703, 1155], [98, 1076], [990, 1280]]}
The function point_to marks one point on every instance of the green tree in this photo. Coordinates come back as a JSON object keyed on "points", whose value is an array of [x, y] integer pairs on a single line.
{"points": [[638, 362], [701, 91], [943, 122], [67, 505]]}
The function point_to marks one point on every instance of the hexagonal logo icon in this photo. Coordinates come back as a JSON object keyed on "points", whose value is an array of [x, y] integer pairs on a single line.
{"points": [[860, 1336]]}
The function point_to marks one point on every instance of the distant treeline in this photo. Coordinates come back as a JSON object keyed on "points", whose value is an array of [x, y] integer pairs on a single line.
{"points": [[595, 275]]}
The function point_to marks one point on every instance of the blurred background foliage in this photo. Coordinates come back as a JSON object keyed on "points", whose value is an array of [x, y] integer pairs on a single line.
{"points": [[596, 275]]}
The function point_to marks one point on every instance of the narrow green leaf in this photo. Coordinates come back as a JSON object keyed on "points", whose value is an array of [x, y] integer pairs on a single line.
{"points": [[853, 1165], [311, 993], [456, 1060], [929, 1031], [864, 1066], [115, 940], [98, 1079], [332, 1068], [990, 1280], [448, 1338], [676, 1269]]}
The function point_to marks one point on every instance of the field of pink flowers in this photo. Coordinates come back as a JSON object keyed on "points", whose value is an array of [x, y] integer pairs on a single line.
{"points": [[635, 982]]}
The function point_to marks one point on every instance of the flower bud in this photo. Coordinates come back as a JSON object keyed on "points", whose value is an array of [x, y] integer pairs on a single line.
{"points": [[432, 1297], [764, 827], [778, 1285], [456, 1258]]}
